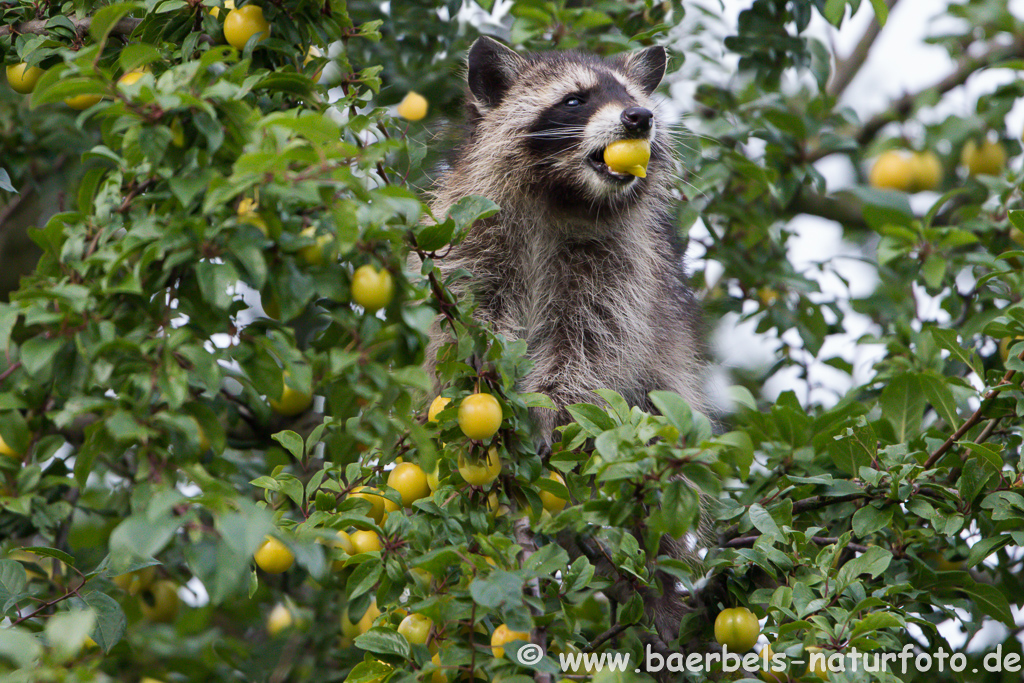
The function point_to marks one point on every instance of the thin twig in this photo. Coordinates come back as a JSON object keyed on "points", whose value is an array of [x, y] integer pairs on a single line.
{"points": [[606, 636], [125, 27], [50, 603], [967, 66], [829, 540], [26, 194], [7, 373], [524, 539], [972, 420], [824, 501], [849, 67]]}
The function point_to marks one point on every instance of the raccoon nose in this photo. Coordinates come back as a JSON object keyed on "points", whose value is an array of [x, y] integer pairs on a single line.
{"points": [[637, 119]]}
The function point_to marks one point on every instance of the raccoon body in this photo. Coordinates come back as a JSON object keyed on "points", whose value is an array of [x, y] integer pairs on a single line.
{"points": [[581, 262]]}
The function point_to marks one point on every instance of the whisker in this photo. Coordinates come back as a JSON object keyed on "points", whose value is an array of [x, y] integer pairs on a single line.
{"points": [[553, 133]]}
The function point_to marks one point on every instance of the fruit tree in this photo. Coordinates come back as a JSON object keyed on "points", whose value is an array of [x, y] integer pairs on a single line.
{"points": [[216, 457]]}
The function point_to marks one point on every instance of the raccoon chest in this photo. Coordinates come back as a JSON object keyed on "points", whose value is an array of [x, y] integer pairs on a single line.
{"points": [[587, 309]]}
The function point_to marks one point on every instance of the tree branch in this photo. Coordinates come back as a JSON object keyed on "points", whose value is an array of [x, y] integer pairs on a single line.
{"points": [[607, 635], [6, 212], [967, 66], [749, 541], [972, 420], [844, 209], [849, 67], [39, 26], [524, 539], [816, 502]]}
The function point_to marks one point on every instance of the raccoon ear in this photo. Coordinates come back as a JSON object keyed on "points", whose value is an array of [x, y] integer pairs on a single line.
{"points": [[647, 67], [492, 70]]}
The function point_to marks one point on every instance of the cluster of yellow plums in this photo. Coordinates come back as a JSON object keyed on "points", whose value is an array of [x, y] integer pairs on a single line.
{"points": [[158, 598], [240, 24], [23, 79], [479, 417], [919, 171], [371, 288]]}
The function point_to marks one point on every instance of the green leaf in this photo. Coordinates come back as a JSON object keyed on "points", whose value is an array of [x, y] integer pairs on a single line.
{"points": [[384, 641], [111, 623], [676, 410], [875, 561], [217, 282], [834, 11], [883, 207], [548, 559], [990, 599], [37, 354], [854, 448], [244, 531], [9, 316], [1016, 217], [136, 55], [940, 396], [869, 519], [19, 647], [498, 589], [902, 403], [470, 209], [363, 578], [66, 631], [765, 523], [51, 552], [292, 442], [985, 547], [122, 426], [104, 20], [140, 537], [12, 584], [934, 270], [949, 340], [1005, 505], [187, 187], [881, 11], [537, 400], [740, 448], [876, 621], [976, 473], [616, 403], [437, 562], [679, 509], [435, 236], [61, 88], [293, 83], [594, 420], [373, 671]]}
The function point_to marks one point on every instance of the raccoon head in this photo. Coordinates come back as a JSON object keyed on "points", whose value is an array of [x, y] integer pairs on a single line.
{"points": [[548, 117]]}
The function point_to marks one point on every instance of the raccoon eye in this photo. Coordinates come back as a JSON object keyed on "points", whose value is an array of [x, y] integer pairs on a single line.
{"points": [[573, 101]]}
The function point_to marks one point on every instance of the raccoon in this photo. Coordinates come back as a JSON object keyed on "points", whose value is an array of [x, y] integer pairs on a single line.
{"points": [[582, 261]]}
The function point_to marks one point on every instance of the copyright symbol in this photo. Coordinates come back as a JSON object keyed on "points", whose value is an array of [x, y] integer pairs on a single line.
{"points": [[530, 654]]}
